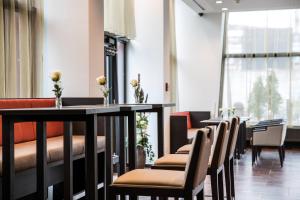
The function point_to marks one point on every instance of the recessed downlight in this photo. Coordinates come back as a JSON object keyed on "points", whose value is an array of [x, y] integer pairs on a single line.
{"points": [[219, 2], [224, 9]]}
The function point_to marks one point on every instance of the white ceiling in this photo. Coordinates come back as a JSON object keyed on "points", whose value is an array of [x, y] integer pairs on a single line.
{"points": [[210, 6]]}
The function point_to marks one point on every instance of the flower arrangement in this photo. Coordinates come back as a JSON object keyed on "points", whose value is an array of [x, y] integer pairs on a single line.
{"points": [[101, 80], [227, 111], [142, 120], [56, 78]]}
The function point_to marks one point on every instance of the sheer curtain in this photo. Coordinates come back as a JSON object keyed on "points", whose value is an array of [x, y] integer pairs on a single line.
{"points": [[20, 47], [173, 55], [262, 65], [119, 17]]}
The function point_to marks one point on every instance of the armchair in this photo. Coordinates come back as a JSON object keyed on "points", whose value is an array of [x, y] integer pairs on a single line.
{"points": [[270, 133], [184, 126]]}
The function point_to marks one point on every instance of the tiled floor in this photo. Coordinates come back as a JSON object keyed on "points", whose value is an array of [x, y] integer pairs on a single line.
{"points": [[267, 180]]}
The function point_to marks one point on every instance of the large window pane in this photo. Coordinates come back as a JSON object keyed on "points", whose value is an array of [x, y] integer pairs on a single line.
{"points": [[267, 85], [263, 31]]}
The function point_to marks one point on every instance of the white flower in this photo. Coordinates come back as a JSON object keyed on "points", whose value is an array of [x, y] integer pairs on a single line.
{"points": [[55, 76], [134, 83], [101, 80]]}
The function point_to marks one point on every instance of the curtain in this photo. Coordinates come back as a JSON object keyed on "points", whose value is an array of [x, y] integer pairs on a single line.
{"points": [[19, 43], [173, 55], [262, 65], [119, 17]]}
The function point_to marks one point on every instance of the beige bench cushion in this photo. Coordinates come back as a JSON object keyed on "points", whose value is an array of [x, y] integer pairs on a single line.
{"points": [[25, 153], [152, 178]]}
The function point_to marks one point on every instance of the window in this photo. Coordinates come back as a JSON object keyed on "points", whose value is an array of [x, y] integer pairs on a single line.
{"points": [[262, 65]]}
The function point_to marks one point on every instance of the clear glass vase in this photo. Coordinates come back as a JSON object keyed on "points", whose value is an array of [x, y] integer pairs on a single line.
{"points": [[58, 102], [106, 101]]}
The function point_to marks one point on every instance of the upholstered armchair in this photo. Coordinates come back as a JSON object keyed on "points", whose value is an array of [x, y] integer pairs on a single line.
{"points": [[184, 126], [269, 133]]}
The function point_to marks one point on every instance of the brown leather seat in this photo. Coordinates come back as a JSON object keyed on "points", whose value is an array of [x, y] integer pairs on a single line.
{"points": [[152, 178], [169, 183], [25, 153]]}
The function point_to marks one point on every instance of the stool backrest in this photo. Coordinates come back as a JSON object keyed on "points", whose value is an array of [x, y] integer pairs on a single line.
{"points": [[219, 151], [234, 131], [197, 164]]}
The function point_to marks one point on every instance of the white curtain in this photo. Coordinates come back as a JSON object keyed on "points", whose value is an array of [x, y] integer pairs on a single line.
{"points": [[262, 68], [20, 47], [119, 17], [173, 56]]}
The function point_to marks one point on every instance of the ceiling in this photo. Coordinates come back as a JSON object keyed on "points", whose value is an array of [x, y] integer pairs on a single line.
{"points": [[210, 6]]}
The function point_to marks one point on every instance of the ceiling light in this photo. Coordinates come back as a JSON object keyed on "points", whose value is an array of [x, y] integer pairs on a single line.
{"points": [[224, 9], [219, 2]]}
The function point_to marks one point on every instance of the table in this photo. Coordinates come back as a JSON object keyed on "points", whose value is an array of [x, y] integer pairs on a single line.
{"points": [[159, 109], [242, 135], [68, 114], [41, 115]]}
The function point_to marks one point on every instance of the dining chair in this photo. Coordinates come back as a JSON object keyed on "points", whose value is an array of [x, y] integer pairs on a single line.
{"points": [[215, 162], [269, 133], [169, 183]]}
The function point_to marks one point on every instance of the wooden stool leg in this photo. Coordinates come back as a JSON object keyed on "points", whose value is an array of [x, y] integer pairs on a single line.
{"points": [[227, 179], [133, 197], [153, 198], [280, 156], [214, 185], [232, 187], [283, 151], [253, 154], [189, 197], [220, 185], [200, 195]]}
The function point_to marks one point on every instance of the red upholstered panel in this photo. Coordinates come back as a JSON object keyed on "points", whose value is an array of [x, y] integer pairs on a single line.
{"points": [[26, 131], [53, 128], [23, 131], [188, 117]]}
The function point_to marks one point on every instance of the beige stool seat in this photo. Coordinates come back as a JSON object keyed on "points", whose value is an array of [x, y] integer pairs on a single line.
{"points": [[184, 149], [25, 153], [155, 178], [172, 160]]}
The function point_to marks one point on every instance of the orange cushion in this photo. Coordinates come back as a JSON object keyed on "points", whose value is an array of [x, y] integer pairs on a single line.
{"points": [[26, 131], [188, 117], [53, 128], [20, 128]]}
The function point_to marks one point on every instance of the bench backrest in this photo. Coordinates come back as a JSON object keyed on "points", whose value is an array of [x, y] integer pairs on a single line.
{"points": [[26, 131]]}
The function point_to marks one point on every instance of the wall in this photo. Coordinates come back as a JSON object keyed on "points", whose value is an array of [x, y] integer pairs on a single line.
{"points": [[145, 55], [199, 50], [74, 45]]}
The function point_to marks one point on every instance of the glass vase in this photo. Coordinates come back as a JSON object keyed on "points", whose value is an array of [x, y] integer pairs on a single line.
{"points": [[58, 102], [106, 101]]}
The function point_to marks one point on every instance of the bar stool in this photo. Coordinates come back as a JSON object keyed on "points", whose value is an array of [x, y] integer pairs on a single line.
{"points": [[169, 183], [228, 163], [216, 161]]}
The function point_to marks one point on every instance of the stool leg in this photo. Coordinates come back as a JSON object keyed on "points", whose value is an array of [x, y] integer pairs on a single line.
{"points": [[189, 197], [214, 185], [227, 179], [200, 195], [133, 197], [232, 187], [153, 198], [220, 185]]}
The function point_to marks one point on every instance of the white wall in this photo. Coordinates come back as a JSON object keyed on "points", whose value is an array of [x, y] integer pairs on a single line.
{"points": [[145, 55], [71, 45], [199, 51]]}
